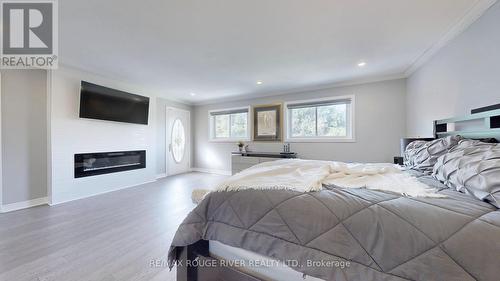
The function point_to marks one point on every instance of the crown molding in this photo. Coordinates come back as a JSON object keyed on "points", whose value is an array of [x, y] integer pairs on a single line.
{"points": [[475, 12]]}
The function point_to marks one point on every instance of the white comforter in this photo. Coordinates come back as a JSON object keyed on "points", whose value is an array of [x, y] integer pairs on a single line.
{"points": [[311, 175]]}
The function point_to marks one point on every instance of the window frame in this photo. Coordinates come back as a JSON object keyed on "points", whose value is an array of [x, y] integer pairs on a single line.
{"points": [[211, 125], [351, 135]]}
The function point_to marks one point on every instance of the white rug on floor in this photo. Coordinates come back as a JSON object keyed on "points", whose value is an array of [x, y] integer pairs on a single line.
{"points": [[198, 194]]}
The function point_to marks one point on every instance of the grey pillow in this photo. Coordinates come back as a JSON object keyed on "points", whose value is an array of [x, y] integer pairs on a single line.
{"points": [[423, 155], [472, 167]]}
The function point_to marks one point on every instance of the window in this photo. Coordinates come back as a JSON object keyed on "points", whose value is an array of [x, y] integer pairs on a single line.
{"points": [[178, 141], [321, 120], [229, 124]]}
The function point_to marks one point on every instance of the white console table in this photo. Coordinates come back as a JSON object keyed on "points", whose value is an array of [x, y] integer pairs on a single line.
{"points": [[243, 160]]}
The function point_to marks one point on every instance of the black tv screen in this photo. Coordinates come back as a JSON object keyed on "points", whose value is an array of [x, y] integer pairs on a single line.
{"points": [[98, 102]]}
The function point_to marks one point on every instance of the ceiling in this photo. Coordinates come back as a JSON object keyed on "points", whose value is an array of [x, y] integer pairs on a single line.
{"points": [[219, 49]]}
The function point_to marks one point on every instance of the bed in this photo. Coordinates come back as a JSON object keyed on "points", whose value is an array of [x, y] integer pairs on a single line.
{"points": [[346, 233]]}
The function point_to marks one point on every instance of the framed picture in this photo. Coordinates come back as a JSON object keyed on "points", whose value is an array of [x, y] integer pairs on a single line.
{"points": [[267, 122]]}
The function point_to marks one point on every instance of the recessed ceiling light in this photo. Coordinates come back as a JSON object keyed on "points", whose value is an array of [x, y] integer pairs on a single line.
{"points": [[192, 94], [361, 64], [259, 82]]}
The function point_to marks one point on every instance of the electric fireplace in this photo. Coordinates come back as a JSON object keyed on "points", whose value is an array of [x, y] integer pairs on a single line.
{"points": [[92, 164]]}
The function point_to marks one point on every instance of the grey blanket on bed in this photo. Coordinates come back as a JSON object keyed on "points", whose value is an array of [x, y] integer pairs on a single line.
{"points": [[383, 236]]}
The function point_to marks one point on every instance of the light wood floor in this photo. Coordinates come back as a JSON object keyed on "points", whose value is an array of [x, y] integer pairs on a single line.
{"points": [[109, 237]]}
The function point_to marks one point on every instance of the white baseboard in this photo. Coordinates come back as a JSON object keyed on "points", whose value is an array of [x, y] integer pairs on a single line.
{"points": [[160, 176], [98, 193], [24, 204], [212, 171]]}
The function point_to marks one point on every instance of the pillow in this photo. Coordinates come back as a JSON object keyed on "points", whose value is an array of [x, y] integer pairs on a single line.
{"points": [[472, 167], [423, 155], [446, 167]]}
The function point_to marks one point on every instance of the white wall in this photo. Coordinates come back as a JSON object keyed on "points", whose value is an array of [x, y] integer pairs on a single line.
{"points": [[463, 75], [24, 135], [380, 123], [70, 134]]}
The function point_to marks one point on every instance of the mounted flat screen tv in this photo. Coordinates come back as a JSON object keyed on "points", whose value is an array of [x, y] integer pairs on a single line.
{"points": [[98, 102]]}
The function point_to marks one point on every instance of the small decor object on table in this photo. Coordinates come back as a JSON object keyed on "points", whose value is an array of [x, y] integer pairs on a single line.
{"points": [[286, 148], [240, 146], [267, 123]]}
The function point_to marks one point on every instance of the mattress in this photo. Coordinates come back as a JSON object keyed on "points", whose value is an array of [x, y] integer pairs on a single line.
{"points": [[257, 265]]}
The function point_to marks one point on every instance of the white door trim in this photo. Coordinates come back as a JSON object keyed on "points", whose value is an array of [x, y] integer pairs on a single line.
{"points": [[167, 134], [50, 77], [1, 167]]}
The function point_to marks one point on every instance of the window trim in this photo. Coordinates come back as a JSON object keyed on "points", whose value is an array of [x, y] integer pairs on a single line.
{"points": [[211, 132], [318, 139]]}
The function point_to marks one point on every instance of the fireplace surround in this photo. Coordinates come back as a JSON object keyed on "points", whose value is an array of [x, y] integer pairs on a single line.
{"points": [[92, 164]]}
